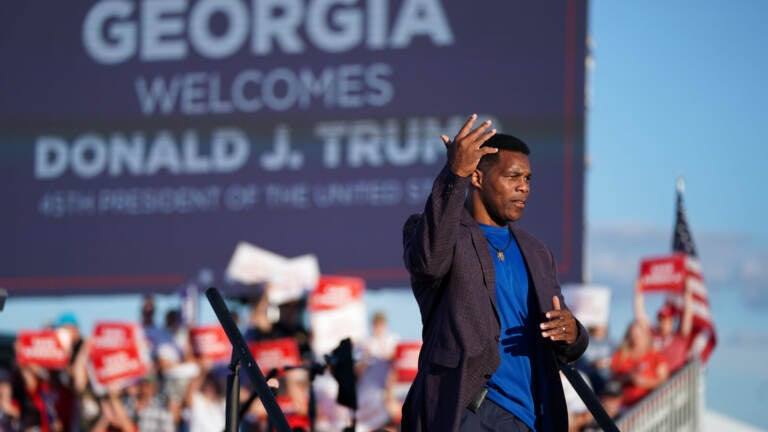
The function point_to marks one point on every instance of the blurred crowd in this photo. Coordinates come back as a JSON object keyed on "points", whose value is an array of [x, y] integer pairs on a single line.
{"points": [[647, 355], [182, 391]]}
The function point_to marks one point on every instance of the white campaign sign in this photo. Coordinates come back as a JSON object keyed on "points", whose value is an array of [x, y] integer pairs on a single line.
{"points": [[589, 303], [287, 279]]}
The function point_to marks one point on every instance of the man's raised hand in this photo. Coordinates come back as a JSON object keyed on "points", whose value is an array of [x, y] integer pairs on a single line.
{"points": [[464, 151]]}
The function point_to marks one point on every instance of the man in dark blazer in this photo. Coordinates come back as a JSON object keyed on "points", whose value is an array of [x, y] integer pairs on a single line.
{"points": [[495, 326]]}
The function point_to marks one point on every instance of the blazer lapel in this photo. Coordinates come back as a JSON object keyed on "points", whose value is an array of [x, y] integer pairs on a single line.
{"points": [[532, 255], [484, 256]]}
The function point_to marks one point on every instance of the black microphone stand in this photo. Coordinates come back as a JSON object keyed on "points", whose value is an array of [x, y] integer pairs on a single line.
{"points": [[241, 355], [232, 419], [588, 397]]}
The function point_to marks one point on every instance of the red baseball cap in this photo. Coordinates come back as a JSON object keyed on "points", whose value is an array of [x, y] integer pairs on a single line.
{"points": [[666, 311]]}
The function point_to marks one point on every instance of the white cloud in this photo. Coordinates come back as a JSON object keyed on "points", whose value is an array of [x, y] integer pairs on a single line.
{"points": [[755, 269], [731, 261]]}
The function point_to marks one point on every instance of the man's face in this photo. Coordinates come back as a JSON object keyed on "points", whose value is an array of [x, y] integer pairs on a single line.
{"points": [[503, 188]]}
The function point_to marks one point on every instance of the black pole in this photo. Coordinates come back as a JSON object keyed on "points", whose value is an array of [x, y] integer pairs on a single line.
{"points": [[240, 349], [232, 419], [588, 397], [312, 408]]}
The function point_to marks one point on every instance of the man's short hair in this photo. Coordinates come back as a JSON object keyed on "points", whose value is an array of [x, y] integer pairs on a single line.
{"points": [[502, 142]]}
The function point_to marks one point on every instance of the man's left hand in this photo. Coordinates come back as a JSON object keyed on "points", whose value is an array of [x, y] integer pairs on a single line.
{"points": [[561, 325]]}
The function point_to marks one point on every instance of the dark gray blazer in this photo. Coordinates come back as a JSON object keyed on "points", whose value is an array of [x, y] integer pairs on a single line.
{"points": [[452, 277]]}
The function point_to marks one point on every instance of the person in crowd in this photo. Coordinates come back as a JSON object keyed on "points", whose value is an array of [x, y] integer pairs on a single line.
{"points": [[205, 401], [160, 340], [32, 389], [295, 401], [113, 416], [172, 372], [68, 384], [9, 407], [373, 371], [394, 395], [255, 417], [495, 325], [291, 391], [291, 322], [148, 311], [83, 391], [637, 365], [261, 319], [179, 332], [175, 362], [672, 339], [162, 347], [610, 399], [267, 322], [596, 360], [151, 409], [578, 414], [382, 343]]}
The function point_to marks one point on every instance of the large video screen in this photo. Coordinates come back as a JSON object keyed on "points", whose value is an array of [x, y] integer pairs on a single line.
{"points": [[140, 141]]}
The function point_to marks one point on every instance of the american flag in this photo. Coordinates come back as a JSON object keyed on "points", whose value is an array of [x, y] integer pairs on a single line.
{"points": [[703, 333]]}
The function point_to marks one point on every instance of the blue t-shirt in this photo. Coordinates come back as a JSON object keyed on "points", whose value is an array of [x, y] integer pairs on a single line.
{"points": [[511, 385]]}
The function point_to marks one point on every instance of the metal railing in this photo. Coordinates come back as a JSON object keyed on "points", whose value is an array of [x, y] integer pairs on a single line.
{"points": [[676, 406]]}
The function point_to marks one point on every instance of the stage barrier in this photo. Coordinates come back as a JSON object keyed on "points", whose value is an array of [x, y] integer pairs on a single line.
{"points": [[675, 406]]}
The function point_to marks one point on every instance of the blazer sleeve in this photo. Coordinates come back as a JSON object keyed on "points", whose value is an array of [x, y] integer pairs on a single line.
{"points": [[429, 238], [569, 353]]}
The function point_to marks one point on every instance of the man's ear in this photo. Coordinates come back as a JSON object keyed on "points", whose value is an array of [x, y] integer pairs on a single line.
{"points": [[477, 178]]}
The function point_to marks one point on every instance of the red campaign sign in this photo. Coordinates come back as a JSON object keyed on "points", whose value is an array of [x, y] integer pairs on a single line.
{"points": [[210, 342], [665, 273], [275, 353], [115, 335], [111, 366], [335, 291], [117, 352], [43, 348], [406, 361]]}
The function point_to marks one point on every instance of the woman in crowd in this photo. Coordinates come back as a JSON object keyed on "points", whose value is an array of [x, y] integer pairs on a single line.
{"points": [[638, 366]]}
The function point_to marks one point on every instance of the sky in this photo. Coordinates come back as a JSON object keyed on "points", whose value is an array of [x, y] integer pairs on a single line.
{"points": [[679, 88], [674, 88]]}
